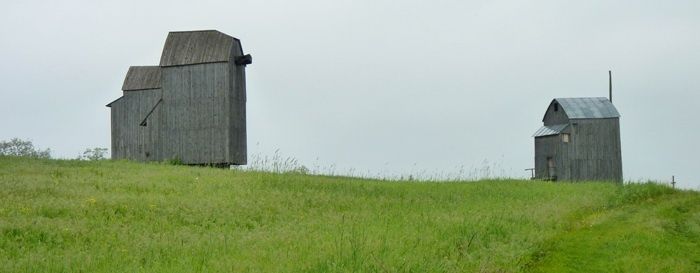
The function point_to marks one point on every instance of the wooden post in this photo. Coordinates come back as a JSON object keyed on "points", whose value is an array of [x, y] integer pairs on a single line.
{"points": [[673, 181], [610, 85], [532, 173]]}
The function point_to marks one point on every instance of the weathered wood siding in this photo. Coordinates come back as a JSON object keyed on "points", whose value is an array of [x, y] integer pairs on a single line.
{"points": [[593, 151], [237, 152], [129, 140], [195, 113], [201, 118], [204, 114], [545, 147], [555, 115]]}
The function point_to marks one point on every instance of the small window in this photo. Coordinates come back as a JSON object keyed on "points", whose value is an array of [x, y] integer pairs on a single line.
{"points": [[565, 138], [556, 107]]}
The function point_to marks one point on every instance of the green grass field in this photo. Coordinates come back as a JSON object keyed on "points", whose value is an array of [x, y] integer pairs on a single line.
{"points": [[107, 216]]}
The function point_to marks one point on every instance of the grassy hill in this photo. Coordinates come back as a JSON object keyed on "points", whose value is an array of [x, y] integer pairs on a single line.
{"points": [[107, 216]]}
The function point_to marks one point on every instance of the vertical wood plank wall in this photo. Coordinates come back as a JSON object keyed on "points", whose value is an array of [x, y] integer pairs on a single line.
{"points": [[129, 140], [593, 153], [195, 128], [202, 116], [237, 146]]}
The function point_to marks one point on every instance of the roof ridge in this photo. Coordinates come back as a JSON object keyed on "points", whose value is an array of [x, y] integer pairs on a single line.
{"points": [[581, 98], [144, 66], [201, 30]]}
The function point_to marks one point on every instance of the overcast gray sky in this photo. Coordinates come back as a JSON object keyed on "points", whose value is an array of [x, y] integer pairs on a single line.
{"points": [[381, 87]]}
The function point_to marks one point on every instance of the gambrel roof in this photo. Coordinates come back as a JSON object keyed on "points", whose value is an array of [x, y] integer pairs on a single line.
{"points": [[587, 108], [195, 47]]}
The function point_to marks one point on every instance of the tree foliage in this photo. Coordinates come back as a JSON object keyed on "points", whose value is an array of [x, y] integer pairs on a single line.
{"points": [[18, 147]]}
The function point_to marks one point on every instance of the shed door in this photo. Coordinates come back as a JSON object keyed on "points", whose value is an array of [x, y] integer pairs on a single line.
{"points": [[551, 168]]}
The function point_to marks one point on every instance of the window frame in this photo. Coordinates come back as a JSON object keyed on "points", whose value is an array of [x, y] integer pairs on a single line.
{"points": [[566, 137]]}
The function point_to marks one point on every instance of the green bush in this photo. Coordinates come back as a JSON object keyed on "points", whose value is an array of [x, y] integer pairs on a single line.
{"points": [[93, 154]]}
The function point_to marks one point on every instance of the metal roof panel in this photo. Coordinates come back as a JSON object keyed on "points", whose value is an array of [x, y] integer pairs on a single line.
{"points": [[584, 108], [550, 130]]}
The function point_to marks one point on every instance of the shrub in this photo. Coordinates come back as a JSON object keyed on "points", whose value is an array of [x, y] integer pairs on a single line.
{"points": [[93, 154], [174, 161]]}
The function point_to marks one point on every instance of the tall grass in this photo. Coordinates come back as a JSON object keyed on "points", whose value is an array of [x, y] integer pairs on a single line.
{"points": [[278, 162], [107, 216]]}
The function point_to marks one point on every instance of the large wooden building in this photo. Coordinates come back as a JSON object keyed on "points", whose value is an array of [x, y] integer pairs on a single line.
{"points": [[580, 140], [190, 108]]}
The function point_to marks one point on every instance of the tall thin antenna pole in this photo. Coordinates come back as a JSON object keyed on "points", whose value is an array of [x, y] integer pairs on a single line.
{"points": [[610, 85]]}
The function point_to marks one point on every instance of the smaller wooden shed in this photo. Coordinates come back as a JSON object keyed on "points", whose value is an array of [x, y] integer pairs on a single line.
{"points": [[580, 140], [142, 90]]}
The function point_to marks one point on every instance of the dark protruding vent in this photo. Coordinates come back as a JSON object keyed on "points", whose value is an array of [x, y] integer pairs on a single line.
{"points": [[244, 60]]}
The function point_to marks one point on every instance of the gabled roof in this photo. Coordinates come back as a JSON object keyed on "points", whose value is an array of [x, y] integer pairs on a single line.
{"points": [[550, 130], [587, 108], [142, 78], [195, 47]]}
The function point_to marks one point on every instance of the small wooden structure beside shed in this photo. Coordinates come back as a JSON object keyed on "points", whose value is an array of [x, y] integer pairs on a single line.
{"points": [[142, 90], [191, 108], [580, 140]]}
